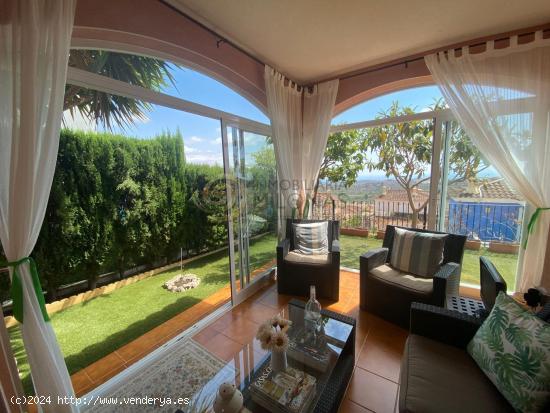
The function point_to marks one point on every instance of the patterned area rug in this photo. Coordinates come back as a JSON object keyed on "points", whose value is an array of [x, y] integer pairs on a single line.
{"points": [[185, 370]]}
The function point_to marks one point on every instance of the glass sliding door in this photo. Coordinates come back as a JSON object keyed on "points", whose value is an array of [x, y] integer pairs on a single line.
{"points": [[250, 172], [476, 201]]}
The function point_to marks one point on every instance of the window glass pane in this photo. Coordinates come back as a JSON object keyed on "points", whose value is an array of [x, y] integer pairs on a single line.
{"points": [[252, 176], [375, 177], [479, 203], [168, 78], [420, 99]]}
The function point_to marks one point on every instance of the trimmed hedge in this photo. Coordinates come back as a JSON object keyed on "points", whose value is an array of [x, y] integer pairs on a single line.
{"points": [[119, 202]]}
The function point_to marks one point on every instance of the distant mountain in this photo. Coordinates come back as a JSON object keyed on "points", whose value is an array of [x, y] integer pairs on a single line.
{"points": [[366, 188]]}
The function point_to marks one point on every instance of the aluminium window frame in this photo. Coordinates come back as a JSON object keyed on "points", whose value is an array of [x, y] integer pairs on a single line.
{"points": [[439, 171]]}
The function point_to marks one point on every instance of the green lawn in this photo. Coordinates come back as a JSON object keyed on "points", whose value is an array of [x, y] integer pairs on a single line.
{"points": [[352, 247], [89, 331]]}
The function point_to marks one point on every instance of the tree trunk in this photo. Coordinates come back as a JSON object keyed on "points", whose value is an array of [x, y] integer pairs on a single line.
{"points": [[92, 282], [314, 196], [414, 218]]}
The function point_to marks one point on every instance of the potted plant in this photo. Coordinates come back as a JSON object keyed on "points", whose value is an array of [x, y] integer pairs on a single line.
{"points": [[504, 247], [357, 232], [473, 242]]}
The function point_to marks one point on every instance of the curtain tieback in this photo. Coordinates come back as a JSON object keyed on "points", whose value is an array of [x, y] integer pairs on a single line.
{"points": [[532, 223], [17, 288]]}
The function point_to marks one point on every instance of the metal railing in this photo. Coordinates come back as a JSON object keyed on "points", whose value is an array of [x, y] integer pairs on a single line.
{"points": [[483, 221], [371, 215]]}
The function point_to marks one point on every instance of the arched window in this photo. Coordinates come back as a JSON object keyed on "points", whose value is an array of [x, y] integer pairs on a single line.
{"points": [[420, 99]]}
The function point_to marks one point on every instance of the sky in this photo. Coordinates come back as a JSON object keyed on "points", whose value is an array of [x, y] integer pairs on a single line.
{"points": [[202, 136]]}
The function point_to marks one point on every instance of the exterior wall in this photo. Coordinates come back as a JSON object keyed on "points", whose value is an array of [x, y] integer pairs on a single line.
{"points": [[154, 29], [388, 208], [356, 89]]}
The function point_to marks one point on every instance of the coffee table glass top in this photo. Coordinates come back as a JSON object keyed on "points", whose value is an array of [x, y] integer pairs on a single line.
{"points": [[314, 354]]}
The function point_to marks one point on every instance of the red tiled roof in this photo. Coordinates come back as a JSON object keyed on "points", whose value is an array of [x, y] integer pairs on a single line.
{"points": [[400, 195], [484, 189]]}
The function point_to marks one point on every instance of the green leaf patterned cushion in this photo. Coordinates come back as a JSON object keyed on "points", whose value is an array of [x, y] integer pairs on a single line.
{"points": [[512, 347]]}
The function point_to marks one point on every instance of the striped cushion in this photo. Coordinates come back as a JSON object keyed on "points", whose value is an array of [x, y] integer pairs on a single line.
{"points": [[311, 238], [418, 253]]}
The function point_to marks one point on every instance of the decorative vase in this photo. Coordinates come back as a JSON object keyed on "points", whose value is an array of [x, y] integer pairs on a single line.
{"points": [[278, 361]]}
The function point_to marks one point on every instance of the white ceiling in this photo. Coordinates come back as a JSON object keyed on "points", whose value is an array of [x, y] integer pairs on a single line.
{"points": [[309, 40]]}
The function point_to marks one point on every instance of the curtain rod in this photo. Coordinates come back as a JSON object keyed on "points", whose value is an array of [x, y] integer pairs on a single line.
{"points": [[414, 58], [221, 39]]}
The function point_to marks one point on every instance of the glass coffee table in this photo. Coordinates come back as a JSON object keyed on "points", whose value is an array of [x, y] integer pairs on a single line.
{"points": [[331, 372]]}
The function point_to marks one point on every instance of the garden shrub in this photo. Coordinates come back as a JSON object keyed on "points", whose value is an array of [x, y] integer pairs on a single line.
{"points": [[118, 202]]}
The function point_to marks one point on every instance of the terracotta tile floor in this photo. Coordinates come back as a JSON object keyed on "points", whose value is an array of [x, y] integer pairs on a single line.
{"points": [[379, 344]]}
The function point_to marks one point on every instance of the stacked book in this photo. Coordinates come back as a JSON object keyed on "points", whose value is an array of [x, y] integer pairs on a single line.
{"points": [[290, 391]]}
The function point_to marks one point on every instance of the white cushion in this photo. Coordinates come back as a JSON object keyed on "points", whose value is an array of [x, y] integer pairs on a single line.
{"points": [[296, 257], [311, 238]]}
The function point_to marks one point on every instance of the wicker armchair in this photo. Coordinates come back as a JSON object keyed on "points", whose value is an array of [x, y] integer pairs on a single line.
{"points": [[295, 278], [391, 298]]}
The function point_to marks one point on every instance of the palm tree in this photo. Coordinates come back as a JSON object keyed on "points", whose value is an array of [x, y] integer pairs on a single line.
{"points": [[111, 109]]}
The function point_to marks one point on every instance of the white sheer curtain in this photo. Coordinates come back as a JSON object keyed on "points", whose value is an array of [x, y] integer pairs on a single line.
{"points": [[318, 107], [300, 121], [284, 104], [34, 47], [501, 97]]}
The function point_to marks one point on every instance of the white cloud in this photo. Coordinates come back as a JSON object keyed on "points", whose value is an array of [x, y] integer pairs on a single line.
{"points": [[203, 157], [189, 149], [78, 121], [219, 140], [196, 139]]}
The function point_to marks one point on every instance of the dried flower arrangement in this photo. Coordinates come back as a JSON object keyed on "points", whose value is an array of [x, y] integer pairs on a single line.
{"points": [[272, 334]]}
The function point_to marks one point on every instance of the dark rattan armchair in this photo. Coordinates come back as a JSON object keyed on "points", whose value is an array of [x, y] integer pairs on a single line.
{"points": [[389, 295], [294, 277]]}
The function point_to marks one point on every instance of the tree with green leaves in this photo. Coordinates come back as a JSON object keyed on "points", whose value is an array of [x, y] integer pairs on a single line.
{"points": [[115, 203], [105, 108], [343, 159], [404, 151], [465, 160], [262, 185]]}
